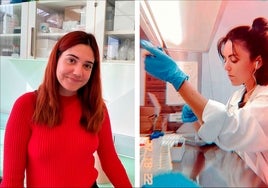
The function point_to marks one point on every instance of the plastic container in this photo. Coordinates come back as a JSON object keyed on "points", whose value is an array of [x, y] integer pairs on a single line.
{"points": [[177, 151]]}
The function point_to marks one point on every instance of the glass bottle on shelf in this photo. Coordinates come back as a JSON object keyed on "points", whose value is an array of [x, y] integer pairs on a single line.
{"points": [[119, 31]]}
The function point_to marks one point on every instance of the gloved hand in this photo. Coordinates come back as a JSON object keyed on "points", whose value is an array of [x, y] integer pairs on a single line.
{"points": [[163, 67], [187, 114], [156, 134]]}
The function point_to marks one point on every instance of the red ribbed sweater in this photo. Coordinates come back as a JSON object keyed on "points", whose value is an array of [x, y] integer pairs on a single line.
{"points": [[61, 156]]}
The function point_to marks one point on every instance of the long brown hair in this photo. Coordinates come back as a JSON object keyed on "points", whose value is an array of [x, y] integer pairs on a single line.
{"points": [[47, 110]]}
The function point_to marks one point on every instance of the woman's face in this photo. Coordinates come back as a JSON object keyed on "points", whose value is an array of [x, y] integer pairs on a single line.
{"points": [[74, 68], [238, 65]]}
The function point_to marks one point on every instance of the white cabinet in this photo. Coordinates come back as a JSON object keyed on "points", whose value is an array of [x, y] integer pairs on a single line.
{"points": [[13, 20], [53, 19], [50, 20], [119, 31], [29, 30]]}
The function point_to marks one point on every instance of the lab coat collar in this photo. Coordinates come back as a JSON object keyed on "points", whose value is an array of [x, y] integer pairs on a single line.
{"points": [[232, 104]]}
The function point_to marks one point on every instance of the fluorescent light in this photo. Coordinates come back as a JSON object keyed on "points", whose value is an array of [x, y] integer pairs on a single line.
{"points": [[42, 13], [168, 18], [148, 24], [78, 10]]}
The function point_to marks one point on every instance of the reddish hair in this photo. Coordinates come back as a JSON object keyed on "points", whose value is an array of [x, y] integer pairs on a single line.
{"points": [[47, 110]]}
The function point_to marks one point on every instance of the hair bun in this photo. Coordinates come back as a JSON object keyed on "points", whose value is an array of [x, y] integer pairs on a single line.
{"points": [[260, 25]]}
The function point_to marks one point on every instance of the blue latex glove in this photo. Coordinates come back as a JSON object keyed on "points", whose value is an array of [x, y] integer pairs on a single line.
{"points": [[163, 67], [156, 134], [187, 114]]}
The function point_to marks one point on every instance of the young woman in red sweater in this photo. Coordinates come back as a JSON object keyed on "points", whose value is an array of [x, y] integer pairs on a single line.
{"points": [[52, 133]]}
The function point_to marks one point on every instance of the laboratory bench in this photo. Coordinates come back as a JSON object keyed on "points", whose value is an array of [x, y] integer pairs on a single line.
{"points": [[204, 164]]}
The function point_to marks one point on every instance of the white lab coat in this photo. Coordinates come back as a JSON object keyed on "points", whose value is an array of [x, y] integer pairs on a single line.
{"points": [[243, 130]]}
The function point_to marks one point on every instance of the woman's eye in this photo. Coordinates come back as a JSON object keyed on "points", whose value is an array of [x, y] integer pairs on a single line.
{"points": [[88, 66], [234, 60], [71, 60]]}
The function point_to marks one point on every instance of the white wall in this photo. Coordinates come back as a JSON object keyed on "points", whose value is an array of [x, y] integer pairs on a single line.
{"points": [[142, 80], [19, 76], [215, 83], [118, 92]]}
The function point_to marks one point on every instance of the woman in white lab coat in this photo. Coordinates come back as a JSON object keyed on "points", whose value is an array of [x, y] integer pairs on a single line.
{"points": [[242, 124]]}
